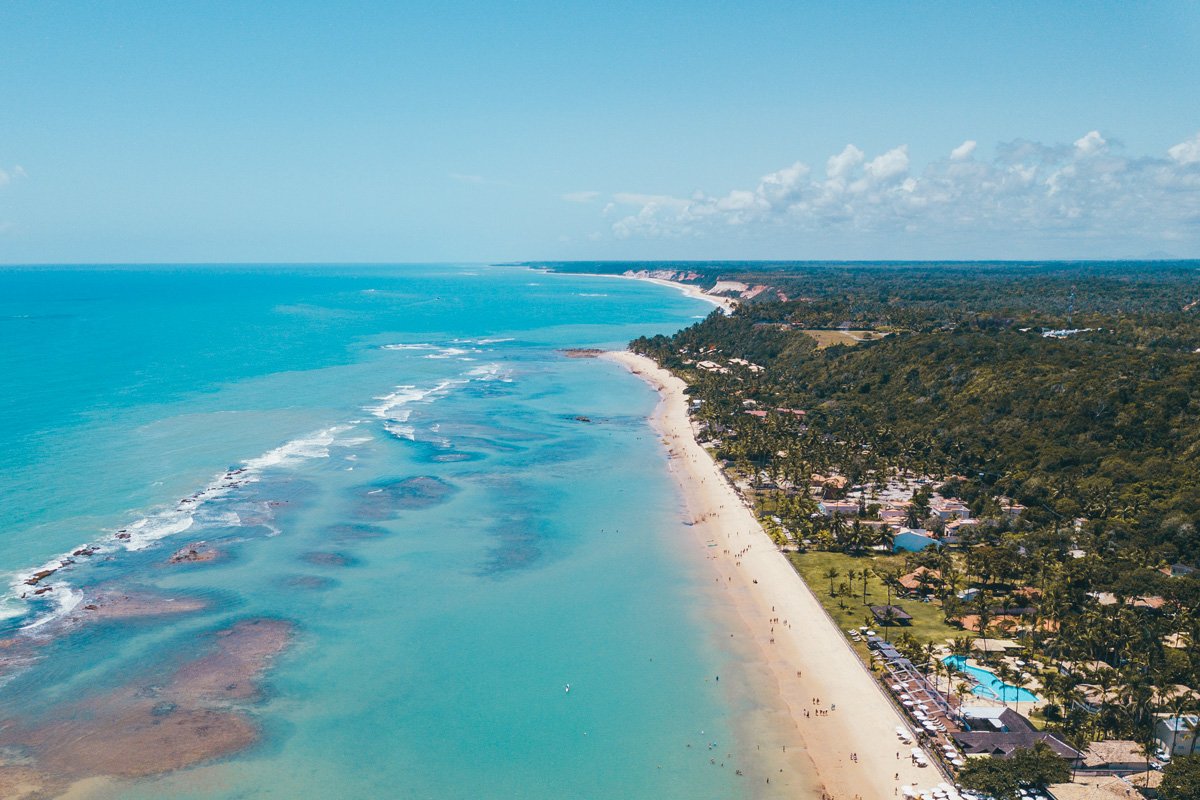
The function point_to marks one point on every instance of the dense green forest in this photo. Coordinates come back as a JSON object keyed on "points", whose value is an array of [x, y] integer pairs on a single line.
{"points": [[1073, 389], [1074, 427], [1144, 303]]}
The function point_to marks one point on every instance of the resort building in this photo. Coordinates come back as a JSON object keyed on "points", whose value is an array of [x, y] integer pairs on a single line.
{"points": [[1012, 510], [1114, 757], [950, 509], [921, 577], [997, 732], [912, 540], [843, 507], [1179, 736]]}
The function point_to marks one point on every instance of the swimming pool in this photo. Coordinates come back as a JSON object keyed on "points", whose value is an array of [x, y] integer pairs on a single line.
{"points": [[989, 685]]}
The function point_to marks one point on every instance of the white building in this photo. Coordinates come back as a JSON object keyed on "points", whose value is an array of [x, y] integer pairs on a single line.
{"points": [[844, 507], [1179, 736]]}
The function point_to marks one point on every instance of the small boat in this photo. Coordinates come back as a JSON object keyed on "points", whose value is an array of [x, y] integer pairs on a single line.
{"points": [[567, 688]]}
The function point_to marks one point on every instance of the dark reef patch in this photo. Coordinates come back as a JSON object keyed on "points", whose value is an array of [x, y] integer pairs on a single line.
{"points": [[355, 532], [387, 499], [518, 546], [309, 583], [321, 558]]}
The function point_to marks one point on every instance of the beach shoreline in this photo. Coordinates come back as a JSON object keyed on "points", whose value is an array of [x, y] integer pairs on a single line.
{"points": [[726, 304], [823, 717]]}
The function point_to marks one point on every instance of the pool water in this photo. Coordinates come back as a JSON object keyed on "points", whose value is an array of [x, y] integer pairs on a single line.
{"points": [[989, 685]]}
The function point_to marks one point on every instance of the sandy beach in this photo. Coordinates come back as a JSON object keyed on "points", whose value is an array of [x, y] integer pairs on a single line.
{"points": [[726, 304], [816, 698]]}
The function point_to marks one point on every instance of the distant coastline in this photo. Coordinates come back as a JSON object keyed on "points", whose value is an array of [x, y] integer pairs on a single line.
{"points": [[726, 304]]}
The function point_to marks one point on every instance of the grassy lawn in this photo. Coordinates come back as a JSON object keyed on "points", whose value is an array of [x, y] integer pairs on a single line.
{"points": [[849, 611], [826, 338]]}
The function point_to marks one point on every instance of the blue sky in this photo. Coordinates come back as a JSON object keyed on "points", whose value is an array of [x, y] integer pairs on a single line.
{"points": [[494, 131]]}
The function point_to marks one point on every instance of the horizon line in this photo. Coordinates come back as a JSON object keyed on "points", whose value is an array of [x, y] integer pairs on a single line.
{"points": [[523, 263]]}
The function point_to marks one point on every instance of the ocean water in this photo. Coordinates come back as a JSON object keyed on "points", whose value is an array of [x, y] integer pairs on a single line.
{"points": [[456, 521]]}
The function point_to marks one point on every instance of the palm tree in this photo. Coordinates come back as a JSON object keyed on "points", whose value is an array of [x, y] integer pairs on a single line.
{"points": [[1021, 680], [890, 576], [832, 573], [1007, 674], [982, 605], [837, 526], [889, 616], [865, 574], [1177, 705], [930, 651]]}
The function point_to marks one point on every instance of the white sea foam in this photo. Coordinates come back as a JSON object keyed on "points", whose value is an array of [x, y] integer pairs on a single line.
{"points": [[449, 352], [439, 351], [224, 519], [66, 599], [158, 525], [154, 527], [495, 340], [491, 372], [148, 530], [401, 431], [392, 406], [314, 446]]}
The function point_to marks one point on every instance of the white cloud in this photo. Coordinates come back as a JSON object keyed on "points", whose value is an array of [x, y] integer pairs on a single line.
{"points": [[1092, 142], [786, 183], [15, 172], [840, 165], [580, 197], [635, 199], [892, 163], [1084, 190], [963, 151], [1187, 151]]}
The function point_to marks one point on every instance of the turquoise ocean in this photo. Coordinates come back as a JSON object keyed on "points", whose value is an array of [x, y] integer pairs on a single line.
{"points": [[458, 520]]}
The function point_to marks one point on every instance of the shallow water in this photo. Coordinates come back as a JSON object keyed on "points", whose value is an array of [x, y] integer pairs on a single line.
{"points": [[390, 461]]}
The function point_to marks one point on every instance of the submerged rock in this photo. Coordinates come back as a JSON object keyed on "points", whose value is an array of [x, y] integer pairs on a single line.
{"points": [[354, 532], [197, 552], [324, 559], [309, 583], [139, 730], [385, 500]]}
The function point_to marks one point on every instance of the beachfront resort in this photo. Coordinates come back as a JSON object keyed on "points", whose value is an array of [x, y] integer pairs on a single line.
{"points": [[986, 623]]}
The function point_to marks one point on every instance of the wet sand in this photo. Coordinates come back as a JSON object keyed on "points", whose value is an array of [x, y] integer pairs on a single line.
{"points": [[146, 727], [812, 693]]}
